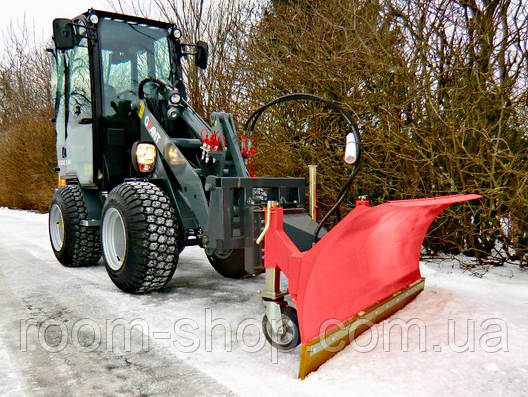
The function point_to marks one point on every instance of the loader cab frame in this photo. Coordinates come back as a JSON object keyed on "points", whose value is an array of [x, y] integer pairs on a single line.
{"points": [[99, 60]]}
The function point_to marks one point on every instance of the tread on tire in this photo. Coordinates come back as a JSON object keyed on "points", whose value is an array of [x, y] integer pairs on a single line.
{"points": [[153, 237], [81, 246]]}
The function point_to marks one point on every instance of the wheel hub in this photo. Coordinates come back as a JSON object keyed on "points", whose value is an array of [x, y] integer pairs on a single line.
{"points": [[114, 239], [56, 225], [284, 333], [223, 254]]}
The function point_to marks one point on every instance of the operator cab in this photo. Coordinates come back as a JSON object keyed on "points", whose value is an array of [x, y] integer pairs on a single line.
{"points": [[100, 60], [129, 53]]}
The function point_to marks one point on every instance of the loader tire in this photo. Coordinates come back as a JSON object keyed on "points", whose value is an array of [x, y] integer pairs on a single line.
{"points": [[74, 245], [141, 237], [229, 263], [291, 337]]}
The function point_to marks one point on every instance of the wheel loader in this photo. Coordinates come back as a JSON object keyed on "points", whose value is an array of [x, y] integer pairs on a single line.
{"points": [[141, 176]]}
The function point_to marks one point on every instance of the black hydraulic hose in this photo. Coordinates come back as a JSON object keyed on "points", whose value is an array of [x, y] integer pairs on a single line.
{"points": [[252, 120], [141, 88], [335, 207]]}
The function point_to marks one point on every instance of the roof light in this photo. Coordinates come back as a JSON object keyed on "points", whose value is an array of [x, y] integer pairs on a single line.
{"points": [[93, 19], [176, 33]]}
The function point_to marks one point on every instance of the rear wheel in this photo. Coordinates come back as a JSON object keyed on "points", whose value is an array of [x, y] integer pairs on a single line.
{"points": [[141, 237], [229, 263], [72, 243]]}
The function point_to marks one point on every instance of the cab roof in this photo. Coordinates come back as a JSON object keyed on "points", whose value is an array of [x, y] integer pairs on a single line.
{"points": [[128, 18]]}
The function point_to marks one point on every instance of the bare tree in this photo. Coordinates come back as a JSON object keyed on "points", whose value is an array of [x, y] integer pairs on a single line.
{"points": [[24, 73], [439, 89], [27, 139]]}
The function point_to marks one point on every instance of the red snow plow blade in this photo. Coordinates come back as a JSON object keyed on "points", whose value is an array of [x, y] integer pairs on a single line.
{"points": [[360, 272]]}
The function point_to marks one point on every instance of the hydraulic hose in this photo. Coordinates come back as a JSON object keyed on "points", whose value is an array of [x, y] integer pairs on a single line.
{"points": [[253, 118], [141, 88]]}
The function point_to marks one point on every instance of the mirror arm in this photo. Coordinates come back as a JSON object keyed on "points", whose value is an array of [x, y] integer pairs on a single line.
{"points": [[188, 45], [91, 29]]}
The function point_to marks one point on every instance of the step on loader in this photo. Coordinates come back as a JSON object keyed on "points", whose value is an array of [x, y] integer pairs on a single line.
{"points": [[142, 176]]}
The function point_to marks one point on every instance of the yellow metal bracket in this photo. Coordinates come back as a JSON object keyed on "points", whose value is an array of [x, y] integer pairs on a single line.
{"points": [[271, 204]]}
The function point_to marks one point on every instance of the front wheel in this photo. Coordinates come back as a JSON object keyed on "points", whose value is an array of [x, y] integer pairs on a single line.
{"points": [[229, 263], [141, 237], [288, 335]]}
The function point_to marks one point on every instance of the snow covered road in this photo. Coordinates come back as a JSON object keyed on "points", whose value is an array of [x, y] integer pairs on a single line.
{"points": [[70, 331]]}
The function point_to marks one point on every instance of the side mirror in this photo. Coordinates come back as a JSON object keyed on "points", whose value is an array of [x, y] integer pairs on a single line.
{"points": [[63, 34], [202, 55]]}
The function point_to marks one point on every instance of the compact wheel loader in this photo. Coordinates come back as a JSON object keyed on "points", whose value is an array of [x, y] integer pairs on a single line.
{"points": [[142, 175]]}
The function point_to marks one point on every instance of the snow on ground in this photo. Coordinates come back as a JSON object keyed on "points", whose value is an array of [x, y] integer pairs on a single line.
{"points": [[466, 335]]}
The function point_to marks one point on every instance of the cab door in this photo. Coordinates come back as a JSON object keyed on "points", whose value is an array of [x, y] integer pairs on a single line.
{"points": [[74, 119]]}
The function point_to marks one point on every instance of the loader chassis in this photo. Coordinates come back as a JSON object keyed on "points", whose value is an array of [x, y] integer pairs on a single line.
{"points": [[99, 117]]}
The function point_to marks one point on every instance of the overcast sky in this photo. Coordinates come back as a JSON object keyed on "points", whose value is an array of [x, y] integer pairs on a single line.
{"points": [[39, 14]]}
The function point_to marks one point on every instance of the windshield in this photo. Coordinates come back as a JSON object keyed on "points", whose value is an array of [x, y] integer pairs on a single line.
{"points": [[130, 52]]}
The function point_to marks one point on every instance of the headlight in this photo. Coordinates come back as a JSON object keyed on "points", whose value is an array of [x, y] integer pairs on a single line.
{"points": [[175, 98], [172, 113], [144, 156]]}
